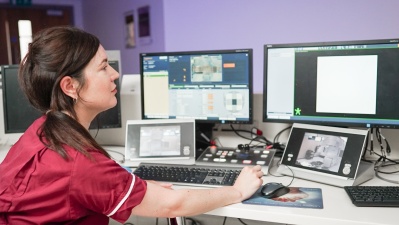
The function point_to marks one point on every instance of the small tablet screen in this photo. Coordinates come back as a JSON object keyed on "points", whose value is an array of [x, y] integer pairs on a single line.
{"points": [[336, 151], [160, 141]]}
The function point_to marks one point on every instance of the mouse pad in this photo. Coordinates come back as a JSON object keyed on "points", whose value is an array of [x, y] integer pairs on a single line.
{"points": [[299, 197]]}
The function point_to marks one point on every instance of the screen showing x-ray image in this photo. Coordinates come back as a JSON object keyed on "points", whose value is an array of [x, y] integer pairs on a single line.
{"points": [[321, 151]]}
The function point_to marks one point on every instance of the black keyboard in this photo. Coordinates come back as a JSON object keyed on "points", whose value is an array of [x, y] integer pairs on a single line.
{"points": [[192, 175], [374, 195]]}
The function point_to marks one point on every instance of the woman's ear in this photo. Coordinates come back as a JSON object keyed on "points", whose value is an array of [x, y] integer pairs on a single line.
{"points": [[69, 86]]}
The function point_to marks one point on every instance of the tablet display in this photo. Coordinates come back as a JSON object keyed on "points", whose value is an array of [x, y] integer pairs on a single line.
{"points": [[160, 140], [328, 150]]}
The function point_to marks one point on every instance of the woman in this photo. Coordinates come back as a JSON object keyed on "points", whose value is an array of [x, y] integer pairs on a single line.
{"points": [[57, 173]]}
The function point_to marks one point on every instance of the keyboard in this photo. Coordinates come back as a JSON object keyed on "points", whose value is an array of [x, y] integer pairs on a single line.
{"points": [[191, 175], [374, 196]]}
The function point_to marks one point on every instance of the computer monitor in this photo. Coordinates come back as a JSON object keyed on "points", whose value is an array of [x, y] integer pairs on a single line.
{"points": [[346, 83], [208, 86], [112, 117], [18, 113]]}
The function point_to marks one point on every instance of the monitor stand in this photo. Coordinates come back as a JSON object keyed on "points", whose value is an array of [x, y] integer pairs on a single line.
{"points": [[364, 173]]}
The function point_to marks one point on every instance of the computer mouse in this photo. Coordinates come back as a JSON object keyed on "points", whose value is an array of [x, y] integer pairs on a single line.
{"points": [[274, 190]]}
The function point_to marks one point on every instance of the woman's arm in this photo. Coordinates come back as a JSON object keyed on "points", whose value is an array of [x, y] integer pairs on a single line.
{"points": [[164, 202]]}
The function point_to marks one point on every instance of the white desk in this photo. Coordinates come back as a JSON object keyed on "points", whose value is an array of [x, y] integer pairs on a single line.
{"points": [[338, 209]]}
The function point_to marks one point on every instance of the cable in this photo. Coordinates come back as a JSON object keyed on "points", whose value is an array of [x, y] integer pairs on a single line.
{"points": [[377, 174], [277, 164], [217, 140], [123, 156], [388, 147], [371, 141], [293, 176], [378, 135], [246, 131], [387, 165], [260, 138], [381, 157], [193, 222], [224, 220], [241, 221], [279, 133]]}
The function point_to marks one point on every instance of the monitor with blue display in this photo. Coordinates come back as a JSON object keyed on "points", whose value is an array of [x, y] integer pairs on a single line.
{"points": [[208, 86]]}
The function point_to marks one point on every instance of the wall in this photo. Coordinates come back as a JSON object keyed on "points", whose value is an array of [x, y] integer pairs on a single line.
{"points": [[179, 25], [8, 139], [223, 24], [106, 19]]}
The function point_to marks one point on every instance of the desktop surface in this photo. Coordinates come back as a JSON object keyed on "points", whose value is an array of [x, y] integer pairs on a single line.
{"points": [[338, 208]]}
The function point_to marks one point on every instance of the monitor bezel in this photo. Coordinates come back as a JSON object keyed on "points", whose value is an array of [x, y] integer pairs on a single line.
{"points": [[34, 111], [223, 51], [97, 122], [368, 124]]}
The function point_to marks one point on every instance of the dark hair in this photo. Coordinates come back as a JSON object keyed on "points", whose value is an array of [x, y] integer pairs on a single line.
{"points": [[54, 53]]}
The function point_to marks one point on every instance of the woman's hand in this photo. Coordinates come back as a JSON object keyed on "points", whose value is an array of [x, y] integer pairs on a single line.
{"points": [[249, 181]]}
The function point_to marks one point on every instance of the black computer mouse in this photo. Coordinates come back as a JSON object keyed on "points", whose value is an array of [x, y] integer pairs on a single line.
{"points": [[274, 190]]}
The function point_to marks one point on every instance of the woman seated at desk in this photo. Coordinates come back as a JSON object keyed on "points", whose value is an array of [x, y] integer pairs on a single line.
{"points": [[57, 173]]}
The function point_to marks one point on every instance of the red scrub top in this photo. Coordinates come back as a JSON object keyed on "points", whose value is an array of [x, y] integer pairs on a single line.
{"points": [[38, 186]]}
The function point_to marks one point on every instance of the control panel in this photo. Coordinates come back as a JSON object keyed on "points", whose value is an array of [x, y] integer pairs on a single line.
{"points": [[237, 157]]}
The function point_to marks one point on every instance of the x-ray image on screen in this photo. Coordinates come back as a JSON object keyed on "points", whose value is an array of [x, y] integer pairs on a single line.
{"points": [[160, 141], [322, 152], [206, 68]]}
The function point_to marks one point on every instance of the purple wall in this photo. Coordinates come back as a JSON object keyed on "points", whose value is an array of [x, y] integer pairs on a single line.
{"points": [[180, 25], [224, 24], [106, 19]]}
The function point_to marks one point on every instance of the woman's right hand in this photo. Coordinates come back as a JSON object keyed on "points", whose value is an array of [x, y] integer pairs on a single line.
{"points": [[249, 181]]}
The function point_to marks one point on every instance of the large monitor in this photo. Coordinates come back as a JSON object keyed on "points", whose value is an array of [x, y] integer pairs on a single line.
{"points": [[347, 83], [18, 113], [208, 86]]}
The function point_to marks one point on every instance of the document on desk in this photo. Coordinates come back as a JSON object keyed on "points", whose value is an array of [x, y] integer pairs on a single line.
{"points": [[299, 197]]}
